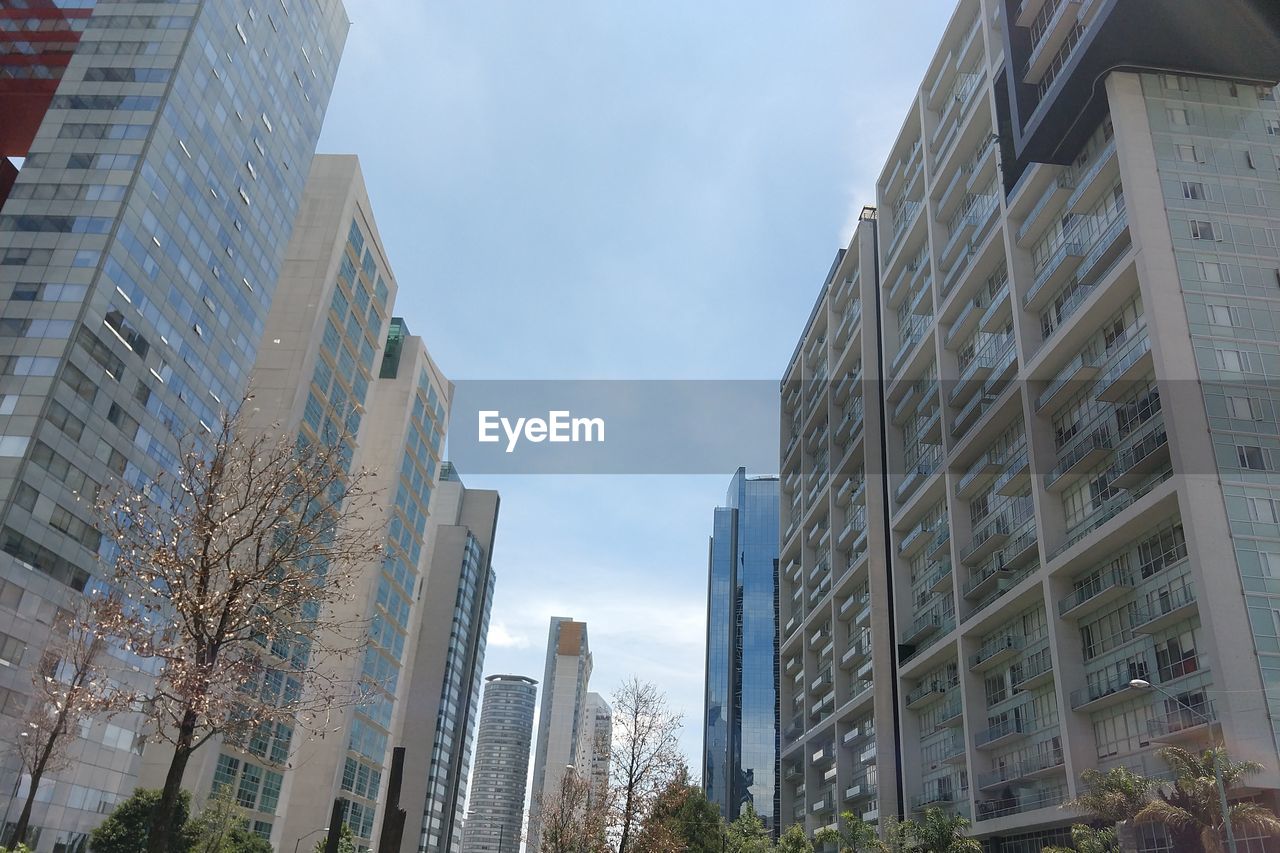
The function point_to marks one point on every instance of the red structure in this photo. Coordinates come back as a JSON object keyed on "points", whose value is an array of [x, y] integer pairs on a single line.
{"points": [[36, 44]]}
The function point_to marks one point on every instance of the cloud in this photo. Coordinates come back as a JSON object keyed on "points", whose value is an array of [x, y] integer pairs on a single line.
{"points": [[501, 637]]}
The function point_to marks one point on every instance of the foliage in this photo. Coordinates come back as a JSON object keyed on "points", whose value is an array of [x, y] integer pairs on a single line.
{"points": [[942, 832], [1111, 797], [230, 569], [573, 817], [346, 841], [223, 828], [682, 818], [748, 834], [1086, 839], [127, 828], [853, 836], [793, 840], [644, 756], [1192, 810]]}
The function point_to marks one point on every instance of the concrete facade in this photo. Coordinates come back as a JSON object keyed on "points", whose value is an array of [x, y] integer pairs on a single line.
{"points": [[1052, 533], [562, 714], [500, 774], [452, 625]]}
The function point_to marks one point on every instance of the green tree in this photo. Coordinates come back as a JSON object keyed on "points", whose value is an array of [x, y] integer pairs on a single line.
{"points": [[681, 818], [127, 828], [854, 835], [346, 841], [1192, 811], [1113, 797], [1087, 839], [793, 841], [748, 834], [223, 828], [941, 832]]}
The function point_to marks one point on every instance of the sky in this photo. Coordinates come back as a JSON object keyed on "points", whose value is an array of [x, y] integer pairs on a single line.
{"points": [[600, 189]]}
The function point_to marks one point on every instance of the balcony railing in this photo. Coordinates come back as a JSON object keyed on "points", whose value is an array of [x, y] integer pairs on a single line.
{"points": [[1023, 801], [1014, 726], [1161, 606], [1113, 580], [1018, 770], [1081, 368], [998, 647], [931, 689], [1182, 720], [1049, 272], [1080, 454]]}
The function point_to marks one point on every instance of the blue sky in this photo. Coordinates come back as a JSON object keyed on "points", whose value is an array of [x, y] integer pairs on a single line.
{"points": [[604, 189]]}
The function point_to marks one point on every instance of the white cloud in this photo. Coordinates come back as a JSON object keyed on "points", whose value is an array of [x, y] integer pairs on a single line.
{"points": [[501, 637]]}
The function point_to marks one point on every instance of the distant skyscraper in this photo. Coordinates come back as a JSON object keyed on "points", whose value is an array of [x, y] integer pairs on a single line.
{"points": [[444, 676], [140, 246], [596, 741], [500, 774], [562, 712], [740, 736]]}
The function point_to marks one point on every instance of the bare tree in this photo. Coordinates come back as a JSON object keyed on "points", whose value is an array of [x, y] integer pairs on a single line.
{"points": [[71, 685], [645, 754], [574, 816], [231, 568]]}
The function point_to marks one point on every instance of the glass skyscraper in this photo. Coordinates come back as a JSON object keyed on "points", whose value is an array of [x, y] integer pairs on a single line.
{"points": [[740, 736], [140, 244]]}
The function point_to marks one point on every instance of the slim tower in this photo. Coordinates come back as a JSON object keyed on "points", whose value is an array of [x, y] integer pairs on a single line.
{"points": [[740, 749], [500, 774]]}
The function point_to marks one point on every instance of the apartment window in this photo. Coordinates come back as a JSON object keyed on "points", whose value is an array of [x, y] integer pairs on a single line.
{"points": [[1179, 118], [1251, 457], [1187, 153], [1176, 656], [1174, 83], [11, 649], [1244, 408], [1221, 315], [1193, 190], [1273, 127], [1214, 272], [1262, 510], [1203, 230], [1233, 361]]}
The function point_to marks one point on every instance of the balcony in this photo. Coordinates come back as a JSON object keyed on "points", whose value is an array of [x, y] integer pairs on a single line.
{"points": [[1080, 369], [995, 652], [1055, 29], [911, 333], [818, 636], [949, 713], [916, 538], [1081, 455], [940, 539], [1034, 767], [987, 539], [915, 475], [938, 579], [858, 790], [936, 797], [980, 584], [980, 366], [1108, 691], [1185, 722], [917, 392], [1022, 801], [823, 680], [1095, 593], [868, 755], [1106, 247], [1165, 609], [1129, 365], [1053, 273], [923, 627], [1035, 670], [1100, 516], [854, 654], [1058, 188], [979, 473], [930, 691], [1084, 198], [1142, 459], [1004, 732], [1014, 477]]}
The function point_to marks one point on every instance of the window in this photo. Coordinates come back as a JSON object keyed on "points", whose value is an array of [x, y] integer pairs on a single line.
{"points": [[1262, 510], [1220, 315], [1187, 153], [1251, 457], [11, 649], [1193, 190], [1273, 127], [1244, 408], [1233, 361], [1214, 272], [1203, 230], [1179, 117]]}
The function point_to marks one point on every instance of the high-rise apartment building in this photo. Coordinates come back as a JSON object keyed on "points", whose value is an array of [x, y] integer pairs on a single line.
{"points": [[1070, 247], [740, 724], [438, 722], [500, 774], [334, 366], [140, 246], [562, 714]]}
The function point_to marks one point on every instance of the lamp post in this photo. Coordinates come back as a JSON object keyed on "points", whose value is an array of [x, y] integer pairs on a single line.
{"points": [[1143, 684], [305, 837]]}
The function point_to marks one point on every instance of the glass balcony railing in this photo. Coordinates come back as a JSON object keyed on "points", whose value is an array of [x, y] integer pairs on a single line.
{"points": [[1095, 589]]}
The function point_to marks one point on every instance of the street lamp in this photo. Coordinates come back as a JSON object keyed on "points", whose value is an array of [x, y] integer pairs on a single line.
{"points": [[1143, 684], [305, 837]]}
